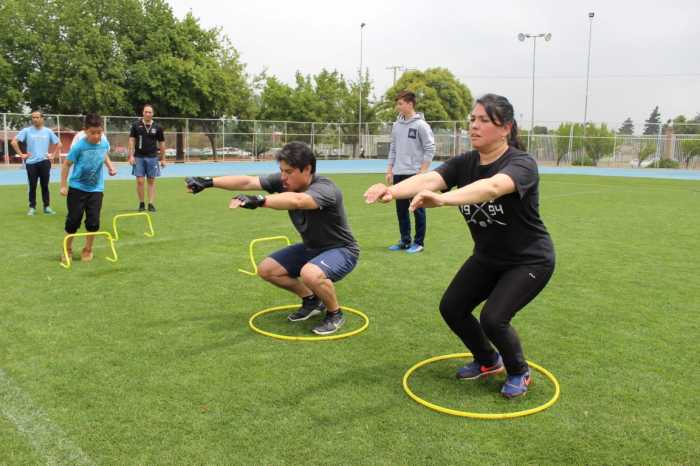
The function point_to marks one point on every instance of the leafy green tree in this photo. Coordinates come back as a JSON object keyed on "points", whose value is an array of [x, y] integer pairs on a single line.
{"points": [[653, 123], [627, 127], [67, 58], [185, 71], [18, 46], [599, 142], [324, 98], [441, 96], [681, 126], [277, 101], [540, 130], [568, 140], [645, 149], [690, 148]]}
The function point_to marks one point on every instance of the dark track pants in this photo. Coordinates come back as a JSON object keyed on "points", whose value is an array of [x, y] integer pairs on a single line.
{"points": [[39, 172]]}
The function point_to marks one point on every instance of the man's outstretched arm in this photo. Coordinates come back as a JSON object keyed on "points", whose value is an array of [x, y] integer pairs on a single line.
{"points": [[197, 184]]}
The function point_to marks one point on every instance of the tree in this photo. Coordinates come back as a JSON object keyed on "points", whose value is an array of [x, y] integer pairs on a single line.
{"points": [[627, 127], [324, 98], [17, 42], [599, 142], [441, 96], [540, 130], [568, 140], [185, 71], [645, 149], [681, 126], [653, 123], [276, 101], [67, 58], [690, 148]]}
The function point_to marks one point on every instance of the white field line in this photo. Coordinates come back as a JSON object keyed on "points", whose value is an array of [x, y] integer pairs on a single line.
{"points": [[32, 422]]}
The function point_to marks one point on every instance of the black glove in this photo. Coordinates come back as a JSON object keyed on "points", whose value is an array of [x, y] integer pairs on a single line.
{"points": [[252, 202], [197, 183]]}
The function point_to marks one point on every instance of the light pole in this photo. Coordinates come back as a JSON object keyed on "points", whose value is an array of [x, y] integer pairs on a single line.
{"points": [[521, 38], [588, 70], [359, 125]]}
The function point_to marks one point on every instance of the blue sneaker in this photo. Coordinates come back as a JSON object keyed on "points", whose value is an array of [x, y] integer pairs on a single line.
{"points": [[415, 248], [516, 385], [474, 370], [31, 211], [399, 246], [49, 210]]}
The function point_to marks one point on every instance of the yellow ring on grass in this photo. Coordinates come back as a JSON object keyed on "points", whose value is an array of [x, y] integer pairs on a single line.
{"points": [[329, 337], [479, 415]]}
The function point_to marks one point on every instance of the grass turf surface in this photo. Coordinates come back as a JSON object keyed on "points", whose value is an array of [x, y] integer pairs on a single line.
{"points": [[150, 360]]}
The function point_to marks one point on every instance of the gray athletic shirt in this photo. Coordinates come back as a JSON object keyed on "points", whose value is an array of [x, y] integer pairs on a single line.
{"points": [[323, 228]]}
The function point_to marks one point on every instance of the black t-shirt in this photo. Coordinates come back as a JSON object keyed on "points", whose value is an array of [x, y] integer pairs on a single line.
{"points": [[323, 228], [507, 231], [147, 138]]}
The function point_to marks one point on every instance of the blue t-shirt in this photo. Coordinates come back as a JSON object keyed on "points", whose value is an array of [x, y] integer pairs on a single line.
{"points": [[38, 141], [88, 159]]}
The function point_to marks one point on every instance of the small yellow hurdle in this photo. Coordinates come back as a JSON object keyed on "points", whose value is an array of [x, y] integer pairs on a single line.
{"points": [[96, 233], [252, 259], [109, 236], [148, 217]]}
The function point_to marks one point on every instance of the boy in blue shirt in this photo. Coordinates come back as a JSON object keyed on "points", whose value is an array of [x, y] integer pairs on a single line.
{"points": [[86, 183]]}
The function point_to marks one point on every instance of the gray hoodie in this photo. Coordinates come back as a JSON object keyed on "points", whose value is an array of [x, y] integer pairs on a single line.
{"points": [[412, 143]]}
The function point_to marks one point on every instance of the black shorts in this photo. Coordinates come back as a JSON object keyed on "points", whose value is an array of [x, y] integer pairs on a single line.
{"points": [[82, 202]]}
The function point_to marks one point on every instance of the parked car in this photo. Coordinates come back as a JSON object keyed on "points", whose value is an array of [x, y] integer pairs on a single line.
{"points": [[193, 151], [271, 153], [172, 152], [645, 163], [120, 151]]}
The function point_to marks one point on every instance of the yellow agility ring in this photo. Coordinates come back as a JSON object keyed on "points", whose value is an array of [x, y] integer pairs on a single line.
{"points": [[479, 415], [319, 338]]}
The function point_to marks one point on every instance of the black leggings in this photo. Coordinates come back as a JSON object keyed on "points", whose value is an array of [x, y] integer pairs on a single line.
{"points": [[505, 293]]}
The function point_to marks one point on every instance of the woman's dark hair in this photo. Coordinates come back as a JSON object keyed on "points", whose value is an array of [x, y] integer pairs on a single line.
{"points": [[500, 112], [298, 155]]}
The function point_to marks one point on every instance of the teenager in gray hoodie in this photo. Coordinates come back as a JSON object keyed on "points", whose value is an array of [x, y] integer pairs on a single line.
{"points": [[412, 149]]}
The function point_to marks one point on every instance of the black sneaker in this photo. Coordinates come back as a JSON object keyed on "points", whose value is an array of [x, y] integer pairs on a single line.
{"points": [[151, 208], [332, 322], [307, 310], [142, 207]]}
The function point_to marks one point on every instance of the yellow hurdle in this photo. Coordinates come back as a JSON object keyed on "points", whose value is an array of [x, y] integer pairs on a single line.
{"points": [[96, 233], [148, 217], [252, 259]]}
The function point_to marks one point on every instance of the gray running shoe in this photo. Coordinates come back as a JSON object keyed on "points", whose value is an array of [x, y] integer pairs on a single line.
{"points": [[332, 322], [307, 310]]}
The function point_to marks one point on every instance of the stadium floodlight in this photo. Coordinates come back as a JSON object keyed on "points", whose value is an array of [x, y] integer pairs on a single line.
{"points": [[588, 68], [359, 125], [534, 37]]}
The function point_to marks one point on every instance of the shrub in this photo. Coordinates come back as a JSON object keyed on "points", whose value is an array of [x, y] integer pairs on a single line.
{"points": [[581, 161], [666, 163]]}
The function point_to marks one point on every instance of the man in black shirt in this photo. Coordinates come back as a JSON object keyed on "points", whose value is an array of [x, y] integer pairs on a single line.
{"points": [[145, 139]]}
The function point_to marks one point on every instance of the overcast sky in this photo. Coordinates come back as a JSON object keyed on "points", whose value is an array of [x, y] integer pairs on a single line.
{"points": [[642, 53]]}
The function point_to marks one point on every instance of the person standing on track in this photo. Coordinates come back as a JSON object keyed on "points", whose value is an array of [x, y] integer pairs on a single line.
{"points": [[38, 159], [145, 139]]}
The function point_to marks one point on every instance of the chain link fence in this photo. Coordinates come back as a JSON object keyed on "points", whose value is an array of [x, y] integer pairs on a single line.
{"points": [[190, 140]]}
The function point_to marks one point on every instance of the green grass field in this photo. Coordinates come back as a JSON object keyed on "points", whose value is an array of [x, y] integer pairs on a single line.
{"points": [[150, 360]]}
